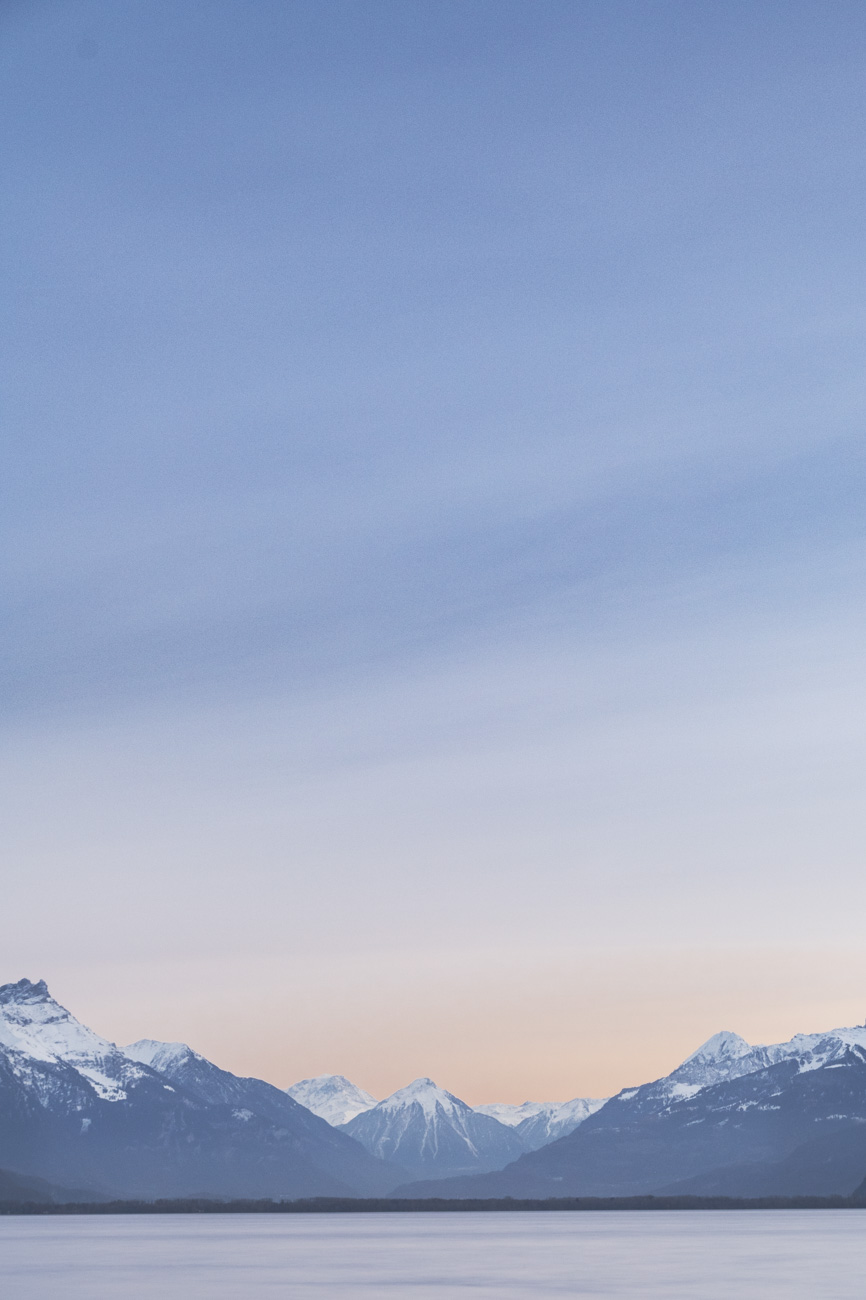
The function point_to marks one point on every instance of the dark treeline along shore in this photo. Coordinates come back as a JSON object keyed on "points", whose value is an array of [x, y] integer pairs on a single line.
{"points": [[384, 1205]]}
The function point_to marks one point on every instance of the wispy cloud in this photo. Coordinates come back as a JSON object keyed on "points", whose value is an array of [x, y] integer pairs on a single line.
{"points": [[432, 501]]}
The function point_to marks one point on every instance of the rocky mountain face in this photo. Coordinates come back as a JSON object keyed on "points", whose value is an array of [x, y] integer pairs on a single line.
{"points": [[433, 1134], [789, 1119], [332, 1096], [77, 1110], [35, 1028]]}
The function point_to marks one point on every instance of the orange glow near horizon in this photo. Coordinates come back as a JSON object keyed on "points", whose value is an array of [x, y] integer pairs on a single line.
{"points": [[487, 1028]]}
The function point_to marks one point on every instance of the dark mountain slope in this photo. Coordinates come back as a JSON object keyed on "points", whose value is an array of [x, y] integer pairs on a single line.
{"points": [[334, 1151], [77, 1111], [828, 1165], [15, 1189], [798, 1118]]}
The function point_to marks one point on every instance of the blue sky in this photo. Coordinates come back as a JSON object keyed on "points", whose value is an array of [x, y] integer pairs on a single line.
{"points": [[432, 513]]}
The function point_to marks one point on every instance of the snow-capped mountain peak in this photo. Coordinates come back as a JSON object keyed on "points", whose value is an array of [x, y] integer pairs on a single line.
{"points": [[34, 1024], [24, 992], [812, 1051], [80, 1112], [164, 1057], [540, 1122], [425, 1094], [726, 1057], [723, 1055], [724, 1046], [332, 1097], [513, 1114], [431, 1132]]}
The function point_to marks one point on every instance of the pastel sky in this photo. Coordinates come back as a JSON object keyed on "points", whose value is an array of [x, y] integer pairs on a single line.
{"points": [[433, 529]]}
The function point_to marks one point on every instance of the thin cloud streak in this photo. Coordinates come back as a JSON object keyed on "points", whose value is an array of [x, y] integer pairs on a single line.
{"points": [[432, 512]]}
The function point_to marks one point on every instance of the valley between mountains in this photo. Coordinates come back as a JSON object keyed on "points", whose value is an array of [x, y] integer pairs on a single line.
{"points": [[83, 1118]]}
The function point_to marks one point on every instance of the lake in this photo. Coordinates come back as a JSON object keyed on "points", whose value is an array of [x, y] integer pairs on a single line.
{"points": [[516, 1255]]}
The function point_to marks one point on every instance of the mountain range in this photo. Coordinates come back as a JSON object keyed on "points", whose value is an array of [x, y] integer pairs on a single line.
{"points": [[80, 1116], [156, 1119], [732, 1120], [433, 1134], [534, 1122]]}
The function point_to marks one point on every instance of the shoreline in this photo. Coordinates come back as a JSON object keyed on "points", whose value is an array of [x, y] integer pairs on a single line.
{"points": [[431, 1205]]}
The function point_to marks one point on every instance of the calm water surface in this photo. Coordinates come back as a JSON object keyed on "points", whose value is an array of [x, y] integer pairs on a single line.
{"points": [[792, 1255]]}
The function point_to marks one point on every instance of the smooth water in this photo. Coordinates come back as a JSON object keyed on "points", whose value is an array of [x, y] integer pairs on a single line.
{"points": [[696, 1255]]}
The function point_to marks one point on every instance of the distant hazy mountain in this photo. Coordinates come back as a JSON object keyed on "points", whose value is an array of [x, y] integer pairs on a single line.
{"points": [[788, 1119], [75, 1110], [16, 1189], [538, 1122], [432, 1133], [332, 1096]]}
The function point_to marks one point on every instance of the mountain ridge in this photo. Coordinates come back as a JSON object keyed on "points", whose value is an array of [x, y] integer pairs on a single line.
{"points": [[159, 1119], [539, 1122], [76, 1109], [787, 1119]]}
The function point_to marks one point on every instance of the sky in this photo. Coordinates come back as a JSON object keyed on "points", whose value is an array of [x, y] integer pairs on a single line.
{"points": [[433, 530]]}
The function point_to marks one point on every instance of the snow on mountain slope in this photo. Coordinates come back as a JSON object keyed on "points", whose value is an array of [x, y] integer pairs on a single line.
{"points": [[727, 1056], [813, 1051], [193, 1072], [159, 1119], [332, 1096], [78, 1111], [715, 1057], [540, 1122], [555, 1122], [158, 1055], [252, 1099], [34, 1025], [724, 1056], [778, 1131], [510, 1115], [784, 1119], [432, 1133]]}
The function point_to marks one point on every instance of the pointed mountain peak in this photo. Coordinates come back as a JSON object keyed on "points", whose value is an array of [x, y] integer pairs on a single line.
{"points": [[431, 1132], [417, 1086], [425, 1093], [724, 1046], [724, 1056], [418, 1090], [24, 992]]}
